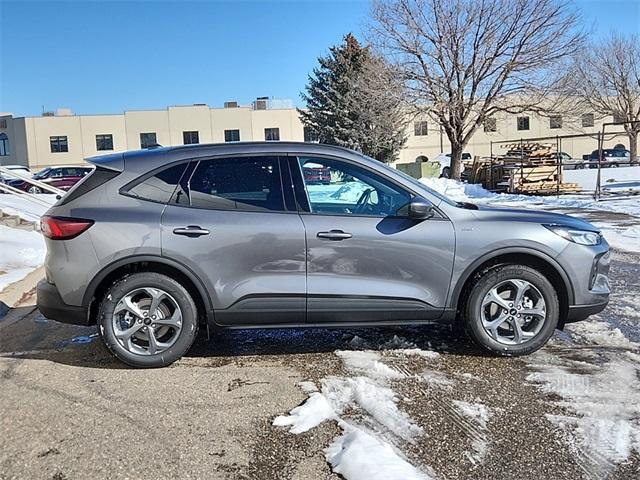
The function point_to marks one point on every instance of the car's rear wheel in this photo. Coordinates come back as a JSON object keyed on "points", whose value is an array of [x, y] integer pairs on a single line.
{"points": [[446, 172], [34, 189], [511, 310], [148, 320]]}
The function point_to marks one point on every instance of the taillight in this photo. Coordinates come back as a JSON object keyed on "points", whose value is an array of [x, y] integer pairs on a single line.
{"points": [[63, 228]]}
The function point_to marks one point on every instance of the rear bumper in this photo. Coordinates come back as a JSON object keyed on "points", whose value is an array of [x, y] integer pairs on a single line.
{"points": [[581, 312], [52, 306]]}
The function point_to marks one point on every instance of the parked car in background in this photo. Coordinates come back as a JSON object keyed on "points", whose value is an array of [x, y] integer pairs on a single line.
{"points": [[317, 175], [611, 157], [167, 240], [445, 162], [62, 177], [570, 163], [7, 177]]}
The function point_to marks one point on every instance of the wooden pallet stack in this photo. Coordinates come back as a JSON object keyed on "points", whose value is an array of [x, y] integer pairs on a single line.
{"points": [[528, 168]]}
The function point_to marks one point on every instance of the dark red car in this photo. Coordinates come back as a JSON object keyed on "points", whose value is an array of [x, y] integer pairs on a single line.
{"points": [[60, 177], [317, 175]]}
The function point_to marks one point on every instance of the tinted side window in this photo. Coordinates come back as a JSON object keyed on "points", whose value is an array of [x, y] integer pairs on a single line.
{"points": [[159, 187], [245, 183]]}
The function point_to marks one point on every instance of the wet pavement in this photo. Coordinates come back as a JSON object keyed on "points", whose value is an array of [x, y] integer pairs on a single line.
{"points": [[69, 410]]}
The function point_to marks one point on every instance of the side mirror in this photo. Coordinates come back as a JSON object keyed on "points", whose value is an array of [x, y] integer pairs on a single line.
{"points": [[420, 209]]}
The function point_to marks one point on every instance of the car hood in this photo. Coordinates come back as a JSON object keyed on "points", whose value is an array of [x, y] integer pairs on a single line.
{"points": [[531, 216]]}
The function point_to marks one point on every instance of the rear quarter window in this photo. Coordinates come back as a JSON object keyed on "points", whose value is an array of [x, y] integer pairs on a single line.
{"points": [[160, 186]]}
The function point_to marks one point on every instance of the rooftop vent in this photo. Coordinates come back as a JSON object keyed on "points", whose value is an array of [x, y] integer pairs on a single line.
{"points": [[231, 104]]}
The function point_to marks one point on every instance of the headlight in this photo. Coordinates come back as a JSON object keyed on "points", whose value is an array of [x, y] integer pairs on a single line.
{"points": [[581, 237]]}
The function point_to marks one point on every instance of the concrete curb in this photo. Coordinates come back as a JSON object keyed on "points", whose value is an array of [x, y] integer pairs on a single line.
{"points": [[15, 294]]}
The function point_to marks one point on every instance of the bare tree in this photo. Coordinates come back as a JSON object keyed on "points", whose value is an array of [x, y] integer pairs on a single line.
{"points": [[604, 79], [466, 60]]}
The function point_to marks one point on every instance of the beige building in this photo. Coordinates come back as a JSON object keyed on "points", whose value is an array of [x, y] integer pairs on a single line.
{"points": [[64, 138]]}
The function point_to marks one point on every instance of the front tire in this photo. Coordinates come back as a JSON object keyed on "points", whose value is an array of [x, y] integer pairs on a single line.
{"points": [[148, 320], [511, 310]]}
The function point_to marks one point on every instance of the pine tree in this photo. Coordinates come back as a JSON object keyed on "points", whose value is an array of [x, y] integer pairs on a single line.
{"points": [[354, 100]]}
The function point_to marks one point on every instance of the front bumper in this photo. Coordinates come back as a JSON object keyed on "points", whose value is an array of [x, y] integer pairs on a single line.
{"points": [[52, 306], [578, 313]]}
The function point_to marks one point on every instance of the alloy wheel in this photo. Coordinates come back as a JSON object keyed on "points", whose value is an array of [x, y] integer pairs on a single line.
{"points": [[147, 321], [513, 312]]}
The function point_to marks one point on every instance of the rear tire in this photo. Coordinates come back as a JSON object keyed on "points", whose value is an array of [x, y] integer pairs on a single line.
{"points": [[34, 190], [522, 320], [128, 306], [446, 172]]}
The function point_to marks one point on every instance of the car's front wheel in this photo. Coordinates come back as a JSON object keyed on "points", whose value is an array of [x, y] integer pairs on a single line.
{"points": [[148, 320], [511, 310]]}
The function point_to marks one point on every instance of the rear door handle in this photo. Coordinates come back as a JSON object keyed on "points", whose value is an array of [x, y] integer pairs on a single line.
{"points": [[191, 231], [334, 235]]}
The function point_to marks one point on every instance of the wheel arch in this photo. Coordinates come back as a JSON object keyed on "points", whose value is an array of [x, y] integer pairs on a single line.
{"points": [[149, 263], [529, 257]]}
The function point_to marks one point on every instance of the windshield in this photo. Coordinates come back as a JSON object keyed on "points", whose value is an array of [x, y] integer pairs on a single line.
{"points": [[42, 173], [416, 183]]}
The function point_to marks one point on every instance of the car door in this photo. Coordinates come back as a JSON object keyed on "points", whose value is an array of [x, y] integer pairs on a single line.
{"points": [[227, 221], [366, 261]]}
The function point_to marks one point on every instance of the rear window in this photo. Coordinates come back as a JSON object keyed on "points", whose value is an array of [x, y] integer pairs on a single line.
{"points": [[160, 186], [91, 181]]}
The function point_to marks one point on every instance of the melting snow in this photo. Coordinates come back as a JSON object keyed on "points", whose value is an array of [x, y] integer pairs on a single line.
{"points": [[21, 252]]}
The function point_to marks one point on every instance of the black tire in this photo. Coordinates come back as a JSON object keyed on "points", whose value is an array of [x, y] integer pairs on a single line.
{"points": [[446, 172], [34, 190], [186, 336], [483, 283]]}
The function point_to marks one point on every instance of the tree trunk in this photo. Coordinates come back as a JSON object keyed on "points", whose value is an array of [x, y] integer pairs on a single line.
{"points": [[456, 161], [633, 146]]}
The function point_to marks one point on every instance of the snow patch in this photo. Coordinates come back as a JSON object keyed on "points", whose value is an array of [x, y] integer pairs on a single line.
{"points": [[478, 414], [602, 400], [359, 455], [21, 252], [368, 362], [597, 332]]}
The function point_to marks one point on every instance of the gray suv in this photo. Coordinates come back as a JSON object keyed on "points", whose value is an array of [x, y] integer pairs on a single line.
{"points": [[155, 244]]}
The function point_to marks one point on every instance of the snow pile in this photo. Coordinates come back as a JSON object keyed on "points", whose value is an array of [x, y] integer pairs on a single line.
{"points": [[464, 192], [610, 178], [21, 252], [360, 453]]}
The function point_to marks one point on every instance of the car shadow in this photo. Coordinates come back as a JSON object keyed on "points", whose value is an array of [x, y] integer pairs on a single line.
{"points": [[87, 350]]}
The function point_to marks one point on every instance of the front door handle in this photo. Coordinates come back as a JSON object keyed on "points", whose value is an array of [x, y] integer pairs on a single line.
{"points": [[334, 235], [191, 231]]}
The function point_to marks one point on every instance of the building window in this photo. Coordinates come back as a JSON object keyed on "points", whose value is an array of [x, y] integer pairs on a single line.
{"points": [[618, 118], [4, 145], [523, 123], [587, 120], [232, 135], [148, 140], [272, 134], [490, 125], [420, 129], [104, 142], [310, 135], [189, 138], [3, 123], [59, 144], [555, 122]]}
